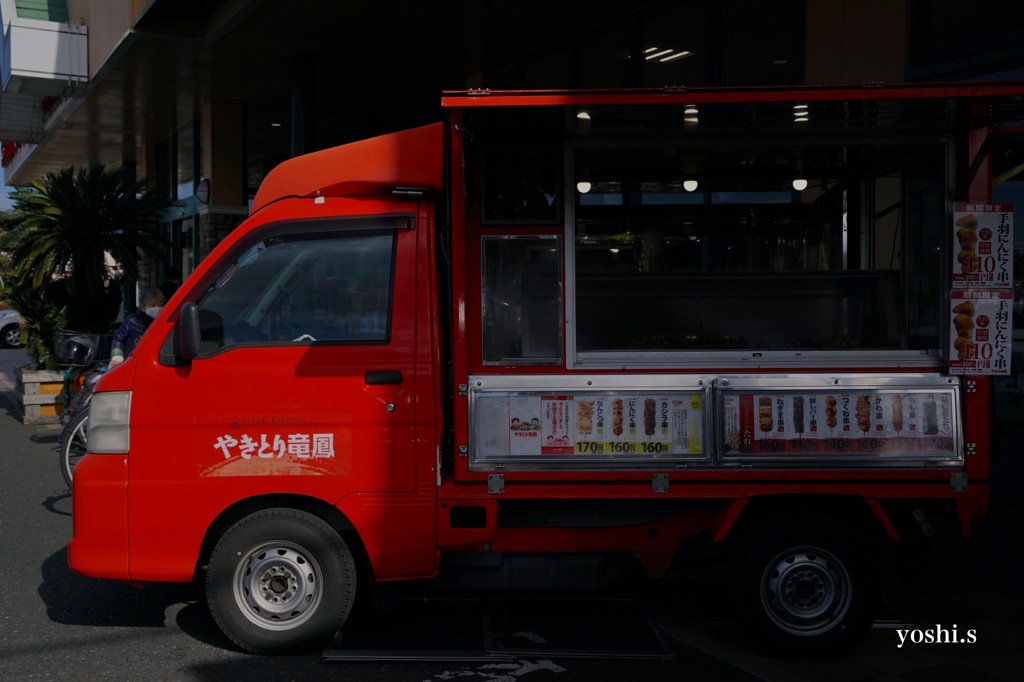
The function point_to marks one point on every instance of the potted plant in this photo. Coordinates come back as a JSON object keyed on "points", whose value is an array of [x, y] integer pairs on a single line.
{"points": [[73, 240]]}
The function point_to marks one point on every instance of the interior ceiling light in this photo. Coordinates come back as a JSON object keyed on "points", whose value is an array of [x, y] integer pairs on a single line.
{"points": [[799, 184], [583, 116], [665, 54], [677, 55], [689, 185], [583, 186], [653, 53]]}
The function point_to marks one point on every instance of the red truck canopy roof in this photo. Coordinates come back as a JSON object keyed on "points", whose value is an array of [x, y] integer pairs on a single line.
{"points": [[410, 158], [920, 106]]}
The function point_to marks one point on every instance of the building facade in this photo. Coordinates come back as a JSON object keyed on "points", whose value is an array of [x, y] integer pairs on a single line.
{"points": [[204, 97]]}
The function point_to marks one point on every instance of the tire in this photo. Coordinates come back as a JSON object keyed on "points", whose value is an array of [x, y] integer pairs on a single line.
{"points": [[73, 445], [804, 589], [280, 581], [10, 336]]}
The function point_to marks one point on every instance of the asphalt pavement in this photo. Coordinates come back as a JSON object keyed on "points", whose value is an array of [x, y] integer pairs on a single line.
{"points": [[55, 625]]}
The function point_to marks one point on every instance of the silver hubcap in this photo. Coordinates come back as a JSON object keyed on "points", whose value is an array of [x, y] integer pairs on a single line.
{"points": [[806, 591], [279, 586]]}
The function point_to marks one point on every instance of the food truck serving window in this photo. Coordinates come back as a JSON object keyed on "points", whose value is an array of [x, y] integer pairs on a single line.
{"points": [[748, 261], [776, 243], [708, 228]]}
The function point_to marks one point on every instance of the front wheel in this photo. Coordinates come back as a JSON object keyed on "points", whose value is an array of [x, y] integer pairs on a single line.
{"points": [[280, 581], [805, 589], [10, 336], [72, 445]]}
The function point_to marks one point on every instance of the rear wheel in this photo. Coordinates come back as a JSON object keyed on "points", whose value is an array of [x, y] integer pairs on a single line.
{"points": [[72, 445], [280, 581], [805, 589]]}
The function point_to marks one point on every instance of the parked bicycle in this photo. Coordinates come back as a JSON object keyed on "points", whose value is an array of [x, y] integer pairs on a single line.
{"points": [[85, 356]]}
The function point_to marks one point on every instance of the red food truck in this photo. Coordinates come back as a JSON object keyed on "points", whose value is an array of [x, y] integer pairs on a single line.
{"points": [[563, 335]]}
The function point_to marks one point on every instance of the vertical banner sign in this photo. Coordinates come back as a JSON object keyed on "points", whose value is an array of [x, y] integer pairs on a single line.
{"points": [[983, 246], [981, 333], [981, 303]]}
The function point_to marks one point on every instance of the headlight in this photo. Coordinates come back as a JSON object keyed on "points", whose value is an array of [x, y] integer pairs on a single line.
{"points": [[108, 423]]}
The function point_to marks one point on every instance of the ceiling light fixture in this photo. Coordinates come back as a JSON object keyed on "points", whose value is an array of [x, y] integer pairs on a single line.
{"points": [[690, 185], [659, 53], [799, 184], [583, 186], [677, 55]]}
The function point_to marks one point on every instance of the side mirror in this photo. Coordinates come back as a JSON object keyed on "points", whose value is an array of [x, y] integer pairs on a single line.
{"points": [[188, 331]]}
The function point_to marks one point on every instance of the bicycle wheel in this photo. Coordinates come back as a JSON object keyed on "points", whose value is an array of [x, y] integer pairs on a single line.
{"points": [[72, 445]]}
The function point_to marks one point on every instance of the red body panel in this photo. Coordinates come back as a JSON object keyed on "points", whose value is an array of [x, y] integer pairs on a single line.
{"points": [[405, 159], [100, 546], [188, 423]]}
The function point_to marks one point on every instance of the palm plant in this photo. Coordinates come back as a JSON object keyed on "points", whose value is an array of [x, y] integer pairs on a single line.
{"points": [[74, 236]]}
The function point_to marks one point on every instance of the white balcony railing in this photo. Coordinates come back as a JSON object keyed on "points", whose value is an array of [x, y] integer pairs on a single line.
{"points": [[38, 60]]}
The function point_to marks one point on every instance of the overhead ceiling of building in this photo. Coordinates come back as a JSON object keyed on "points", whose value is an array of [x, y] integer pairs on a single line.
{"points": [[362, 61]]}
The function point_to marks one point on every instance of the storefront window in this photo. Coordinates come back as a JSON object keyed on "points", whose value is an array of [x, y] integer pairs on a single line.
{"points": [[604, 59], [762, 41], [186, 161], [675, 45]]}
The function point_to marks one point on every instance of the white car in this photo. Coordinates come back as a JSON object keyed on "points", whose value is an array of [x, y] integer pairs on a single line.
{"points": [[10, 329]]}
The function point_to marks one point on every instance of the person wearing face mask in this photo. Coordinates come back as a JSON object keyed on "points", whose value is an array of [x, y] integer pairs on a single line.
{"points": [[131, 330]]}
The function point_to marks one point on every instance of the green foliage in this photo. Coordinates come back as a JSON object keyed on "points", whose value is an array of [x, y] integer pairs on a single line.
{"points": [[73, 239], [40, 322]]}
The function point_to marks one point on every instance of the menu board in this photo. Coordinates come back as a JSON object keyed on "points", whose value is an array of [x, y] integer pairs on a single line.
{"points": [[585, 425], [856, 423], [981, 334], [983, 246]]}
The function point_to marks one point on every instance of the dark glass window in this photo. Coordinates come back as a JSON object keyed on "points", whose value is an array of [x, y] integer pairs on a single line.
{"points": [[604, 58], [774, 246], [762, 42], [675, 44], [522, 315], [302, 288], [949, 37]]}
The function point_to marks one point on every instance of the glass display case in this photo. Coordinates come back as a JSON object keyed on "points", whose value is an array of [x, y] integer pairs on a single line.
{"points": [[522, 302], [725, 311]]}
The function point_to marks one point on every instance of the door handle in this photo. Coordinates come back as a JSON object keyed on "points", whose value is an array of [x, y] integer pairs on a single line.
{"points": [[383, 376]]}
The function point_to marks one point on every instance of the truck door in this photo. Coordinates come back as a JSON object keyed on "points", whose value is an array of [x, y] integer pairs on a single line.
{"points": [[305, 382]]}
